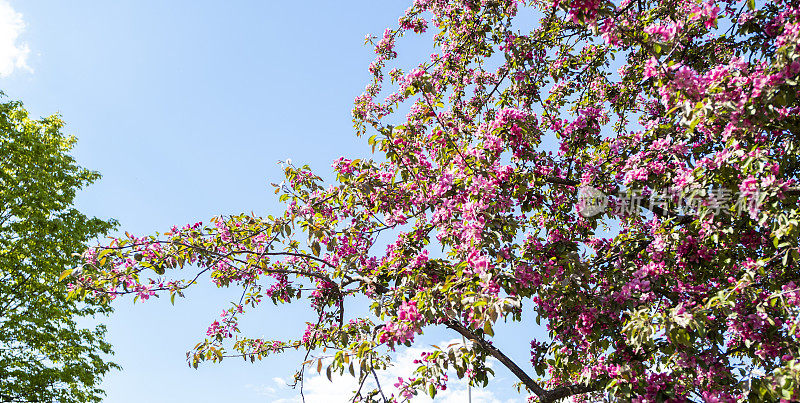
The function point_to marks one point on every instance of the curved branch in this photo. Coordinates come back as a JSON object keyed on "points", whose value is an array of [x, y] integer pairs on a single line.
{"points": [[511, 365], [545, 396]]}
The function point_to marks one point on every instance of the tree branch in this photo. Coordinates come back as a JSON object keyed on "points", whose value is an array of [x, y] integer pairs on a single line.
{"points": [[545, 396], [511, 365]]}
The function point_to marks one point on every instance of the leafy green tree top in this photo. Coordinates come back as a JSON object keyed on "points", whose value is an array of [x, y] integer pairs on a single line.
{"points": [[44, 355]]}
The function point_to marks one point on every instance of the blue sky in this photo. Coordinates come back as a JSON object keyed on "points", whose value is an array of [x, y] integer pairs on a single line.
{"points": [[185, 107]]}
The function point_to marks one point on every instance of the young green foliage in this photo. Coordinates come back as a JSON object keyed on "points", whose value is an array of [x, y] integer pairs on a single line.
{"points": [[44, 355]]}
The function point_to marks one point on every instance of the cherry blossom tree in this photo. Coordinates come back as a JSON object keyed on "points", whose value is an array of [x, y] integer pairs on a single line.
{"points": [[622, 173]]}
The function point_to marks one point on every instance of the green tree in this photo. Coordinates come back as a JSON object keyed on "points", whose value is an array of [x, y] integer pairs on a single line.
{"points": [[45, 356]]}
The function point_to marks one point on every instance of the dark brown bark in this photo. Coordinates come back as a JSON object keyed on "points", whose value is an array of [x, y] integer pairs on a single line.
{"points": [[545, 396]]}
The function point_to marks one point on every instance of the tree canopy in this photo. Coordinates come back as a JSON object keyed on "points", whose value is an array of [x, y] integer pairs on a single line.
{"points": [[622, 173], [45, 355]]}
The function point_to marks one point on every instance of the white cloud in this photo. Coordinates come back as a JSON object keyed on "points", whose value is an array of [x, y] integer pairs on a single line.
{"points": [[317, 388], [282, 383], [262, 390], [13, 55]]}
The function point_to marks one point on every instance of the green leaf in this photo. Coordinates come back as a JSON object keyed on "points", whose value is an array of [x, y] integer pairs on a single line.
{"points": [[103, 253], [487, 328], [64, 274], [315, 248]]}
